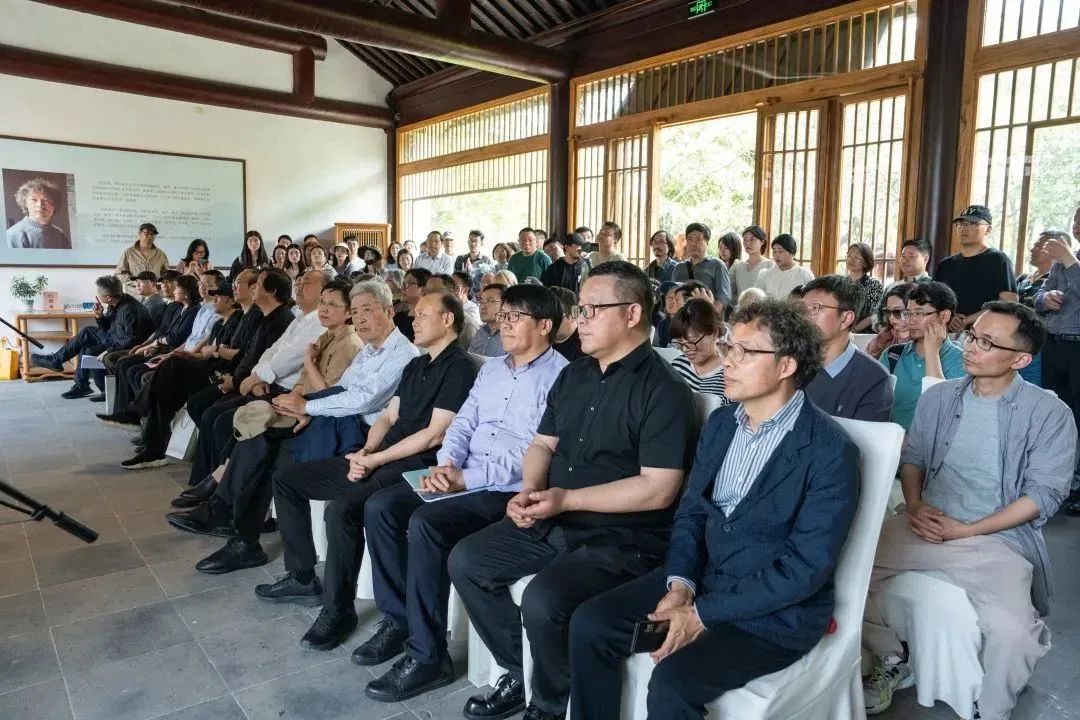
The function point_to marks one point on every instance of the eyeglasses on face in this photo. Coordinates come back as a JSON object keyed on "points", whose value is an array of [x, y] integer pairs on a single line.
{"points": [[491, 301], [985, 344], [916, 314], [511, 316], [332, 305], [589, 311], [738, 352], [410, 283], [686, 345], [813, 308]]}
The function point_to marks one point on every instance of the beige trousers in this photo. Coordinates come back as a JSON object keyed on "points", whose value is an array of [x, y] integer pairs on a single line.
{"points": [[997, 580]]}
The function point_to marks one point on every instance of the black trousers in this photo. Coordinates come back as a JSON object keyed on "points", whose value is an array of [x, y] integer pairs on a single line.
{"points": [[173, 383], [215, 432], [248, 483], [294, 489], [129, 376], [90, 340], [723, 658], [485, 565], [410, 542], [1061, 374]]}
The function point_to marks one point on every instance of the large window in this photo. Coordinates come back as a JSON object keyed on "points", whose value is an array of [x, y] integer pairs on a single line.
{"points": [[485, 168], [790, 177]]}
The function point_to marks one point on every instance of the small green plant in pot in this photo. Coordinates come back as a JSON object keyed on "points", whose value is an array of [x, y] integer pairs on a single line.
{"points": [[26, 291]]}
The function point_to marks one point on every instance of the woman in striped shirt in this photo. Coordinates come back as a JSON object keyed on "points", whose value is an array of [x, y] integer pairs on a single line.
{"points": [[695, 330]]}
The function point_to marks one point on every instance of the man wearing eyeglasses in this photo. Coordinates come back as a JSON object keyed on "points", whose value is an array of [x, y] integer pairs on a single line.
{"points": [[599, 484], [986, 463], [748, 585], [978, 273], [478, 471], [929, 352], [487, 340], [851, 384]]}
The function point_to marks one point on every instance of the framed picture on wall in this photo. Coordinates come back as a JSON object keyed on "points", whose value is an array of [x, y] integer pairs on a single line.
{"points": [[77, 205]]}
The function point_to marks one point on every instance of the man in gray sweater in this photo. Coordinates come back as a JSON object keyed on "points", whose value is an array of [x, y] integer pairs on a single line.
{"points": [[986, 463]]}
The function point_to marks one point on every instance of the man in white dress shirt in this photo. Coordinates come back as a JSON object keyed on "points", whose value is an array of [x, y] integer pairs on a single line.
{"points": [[433, 258]]}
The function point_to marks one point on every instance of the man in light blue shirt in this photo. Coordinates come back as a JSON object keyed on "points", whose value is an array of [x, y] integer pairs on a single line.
{"points": [[481, 457], [929, 353]]}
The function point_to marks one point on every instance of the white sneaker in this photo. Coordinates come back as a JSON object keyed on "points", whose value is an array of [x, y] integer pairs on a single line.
{"points": [[890, 674]]}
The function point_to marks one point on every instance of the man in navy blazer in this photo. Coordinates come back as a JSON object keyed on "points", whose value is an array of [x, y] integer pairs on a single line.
{"points": [[748, 585]]}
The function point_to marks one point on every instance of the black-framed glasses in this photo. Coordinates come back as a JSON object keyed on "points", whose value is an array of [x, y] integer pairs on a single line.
{"points": [[917, 314], [686, 345], [589, 311], [737, 351], [511, 316], [985, 344], [813, 308], [490, 301]]}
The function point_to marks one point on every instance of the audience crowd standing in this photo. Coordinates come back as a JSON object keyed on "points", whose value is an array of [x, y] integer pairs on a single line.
{"points": [[543, 395]]}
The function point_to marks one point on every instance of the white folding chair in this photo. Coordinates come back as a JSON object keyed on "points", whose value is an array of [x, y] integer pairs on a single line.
{"points": [[668, 353], [826, 682], [862, 340]]}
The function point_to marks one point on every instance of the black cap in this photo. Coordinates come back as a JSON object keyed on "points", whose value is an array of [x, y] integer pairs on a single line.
{"points": [[975, 214], [150, 227], [147, 275], [573, 239], [224, 288]]}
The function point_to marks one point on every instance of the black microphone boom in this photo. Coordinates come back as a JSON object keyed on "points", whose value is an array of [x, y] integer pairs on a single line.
{"points": [[39, 512]]}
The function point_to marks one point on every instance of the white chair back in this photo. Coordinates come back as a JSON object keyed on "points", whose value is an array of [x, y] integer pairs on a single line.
{"points": [[862, 340], [892, 382], [478, 360], [705, 403], [879, 445], [668, 354]]}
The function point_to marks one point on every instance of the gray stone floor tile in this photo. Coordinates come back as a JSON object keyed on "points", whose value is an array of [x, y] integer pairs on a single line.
{"points": [[21, 614], [27, 659], [145, 686], [46, 538], [103, 594], [143, 522], [86, 562], [47, 701], [251, 654], [17, 576], [327, 692], [179, 578], [173, 544], [118, 636], [222, 708], [208, 613], [13, 544]]}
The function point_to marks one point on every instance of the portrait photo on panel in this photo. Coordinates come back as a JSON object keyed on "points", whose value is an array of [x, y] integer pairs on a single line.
{"points": [[37, 209]]}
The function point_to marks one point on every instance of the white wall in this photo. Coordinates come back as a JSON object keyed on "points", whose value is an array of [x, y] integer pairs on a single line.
{"points": [[302, 175]]}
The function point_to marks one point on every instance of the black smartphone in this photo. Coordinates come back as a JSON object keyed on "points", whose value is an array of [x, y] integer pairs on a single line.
{"points": [[649, 636]]}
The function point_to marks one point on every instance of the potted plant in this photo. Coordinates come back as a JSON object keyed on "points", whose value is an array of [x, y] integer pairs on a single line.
{"points": [[22, 289]]}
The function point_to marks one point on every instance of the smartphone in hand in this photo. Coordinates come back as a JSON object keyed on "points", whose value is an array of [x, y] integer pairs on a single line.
{"points": [[649, 635]]}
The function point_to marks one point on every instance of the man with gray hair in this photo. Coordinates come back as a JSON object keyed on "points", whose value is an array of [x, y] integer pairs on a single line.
{"points": [[122, 322], [39, 199], [332, 422]]}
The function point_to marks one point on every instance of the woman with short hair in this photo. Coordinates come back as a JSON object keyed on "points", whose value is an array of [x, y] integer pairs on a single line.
{"points": [[860, 268], [696, 330]]}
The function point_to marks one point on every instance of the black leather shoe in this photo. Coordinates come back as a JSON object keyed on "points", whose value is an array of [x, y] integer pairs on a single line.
{"points": [[289, 589], [387, 642], [46, 361], [209, 518], [76, 392], [331, 628], [120, 419], [408, 678], [508, 698], [237, 554], [534, 713], [203, 490]]}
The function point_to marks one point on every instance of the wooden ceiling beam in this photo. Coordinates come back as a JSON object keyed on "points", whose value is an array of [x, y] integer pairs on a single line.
{"points": [[455, 13], [196, 22], [105, 76], [372, 24]]}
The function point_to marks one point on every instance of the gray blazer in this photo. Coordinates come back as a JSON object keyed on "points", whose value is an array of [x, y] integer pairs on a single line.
{"points": [[1038, 453]]}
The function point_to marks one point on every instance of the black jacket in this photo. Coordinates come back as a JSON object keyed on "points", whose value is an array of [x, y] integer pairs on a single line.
{"points": [[269, 329], [125, 325], [167, 316], [180, 328], [562, 274]]}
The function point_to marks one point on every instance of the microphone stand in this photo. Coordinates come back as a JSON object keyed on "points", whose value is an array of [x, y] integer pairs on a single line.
{"points": [[40, 512], [23, 335]]}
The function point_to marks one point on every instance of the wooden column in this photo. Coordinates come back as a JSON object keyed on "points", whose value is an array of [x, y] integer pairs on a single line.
{"points": [[558, 158], [392, 180], [942, 97]]}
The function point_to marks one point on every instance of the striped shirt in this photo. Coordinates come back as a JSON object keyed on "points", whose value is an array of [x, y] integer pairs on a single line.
{"points": [[749, 452], [711, 384]]}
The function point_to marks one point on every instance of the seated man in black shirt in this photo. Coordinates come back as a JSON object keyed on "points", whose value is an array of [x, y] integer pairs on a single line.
{"points": [[567, 271], [406, 437], [566, 340], [600, 481], [978, 273]]}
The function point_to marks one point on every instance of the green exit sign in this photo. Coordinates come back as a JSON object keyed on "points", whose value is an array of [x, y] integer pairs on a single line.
{"points": [[701, 7]]}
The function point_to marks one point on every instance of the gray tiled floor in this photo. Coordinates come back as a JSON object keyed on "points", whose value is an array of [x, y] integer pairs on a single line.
{"points": [[127, 630]]}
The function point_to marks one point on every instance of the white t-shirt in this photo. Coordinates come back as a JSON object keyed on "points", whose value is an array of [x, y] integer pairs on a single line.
{"points": [[779, 283]]}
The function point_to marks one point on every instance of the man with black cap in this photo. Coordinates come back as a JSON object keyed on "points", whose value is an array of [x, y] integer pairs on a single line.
{"points": [[786, 275], [142, 256], [146, 288], [569, 270], [978, 273]]}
